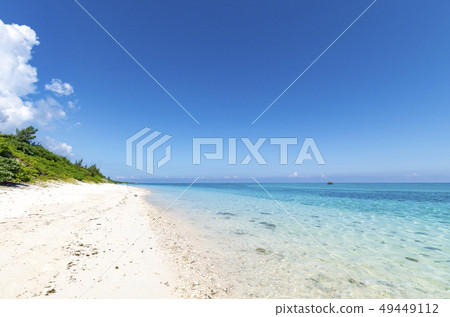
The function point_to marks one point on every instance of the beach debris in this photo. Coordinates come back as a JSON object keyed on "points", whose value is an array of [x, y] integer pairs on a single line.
{"points": [[213, 291], [51, 291], [116, 267]]}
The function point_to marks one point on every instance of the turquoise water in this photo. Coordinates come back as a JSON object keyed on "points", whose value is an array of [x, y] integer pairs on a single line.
{"points": [[347, 240]]}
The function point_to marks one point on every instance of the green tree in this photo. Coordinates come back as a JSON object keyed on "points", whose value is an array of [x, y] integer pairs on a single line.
{"points": [[79, 163], [26, 135], [93, 169]]}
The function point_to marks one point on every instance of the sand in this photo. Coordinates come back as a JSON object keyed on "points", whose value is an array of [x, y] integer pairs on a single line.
{"points": [[61, 240]]}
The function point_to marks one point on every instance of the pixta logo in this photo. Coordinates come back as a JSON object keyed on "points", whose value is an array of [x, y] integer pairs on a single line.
{"points": [[308, 147], [140, 149]]}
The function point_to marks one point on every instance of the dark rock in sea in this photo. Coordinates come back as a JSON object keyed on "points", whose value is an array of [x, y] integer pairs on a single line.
{"points": [[411, 259], [432, 249], [385, 283], [226, 214], [268, 225], [260, 250], [356, 282], [330, 183], [265, 213]]}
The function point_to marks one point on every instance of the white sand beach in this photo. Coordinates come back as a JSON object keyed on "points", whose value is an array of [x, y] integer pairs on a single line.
{"points": [[63, 240], [58, 239]]}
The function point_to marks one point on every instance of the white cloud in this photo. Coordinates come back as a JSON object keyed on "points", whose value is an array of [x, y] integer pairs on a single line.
{"points": [[18, 79], [46, 111], [59, 88], [57, 147], [14, 112], [73, 106], [228, 177], [295, 174], [74, 126], [126, 177]]}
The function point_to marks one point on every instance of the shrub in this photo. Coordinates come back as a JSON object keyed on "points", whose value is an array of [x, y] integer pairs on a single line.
{"points": [[8, 169], [23, 160]]}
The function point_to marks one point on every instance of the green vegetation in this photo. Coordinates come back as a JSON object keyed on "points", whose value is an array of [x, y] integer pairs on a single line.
{"points": [[22, 160], [26, 135]]}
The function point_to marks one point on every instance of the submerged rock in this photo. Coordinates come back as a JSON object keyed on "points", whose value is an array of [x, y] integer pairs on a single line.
{"points": [[260, 250], [226, 214], [411, 259], [432, 249], [268, 225]]}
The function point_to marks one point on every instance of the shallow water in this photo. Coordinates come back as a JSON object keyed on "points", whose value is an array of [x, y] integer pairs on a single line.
{"points": [[343, 240]]}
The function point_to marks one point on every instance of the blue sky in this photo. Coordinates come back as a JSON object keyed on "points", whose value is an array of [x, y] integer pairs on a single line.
{"points": [[376, 103]]}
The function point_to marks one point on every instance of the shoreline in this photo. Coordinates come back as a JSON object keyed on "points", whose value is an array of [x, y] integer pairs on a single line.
{"points": [[78, 240], [63, 240]]}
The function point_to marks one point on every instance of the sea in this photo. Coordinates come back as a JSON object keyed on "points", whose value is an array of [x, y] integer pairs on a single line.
{"points": [[318, 240]]}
